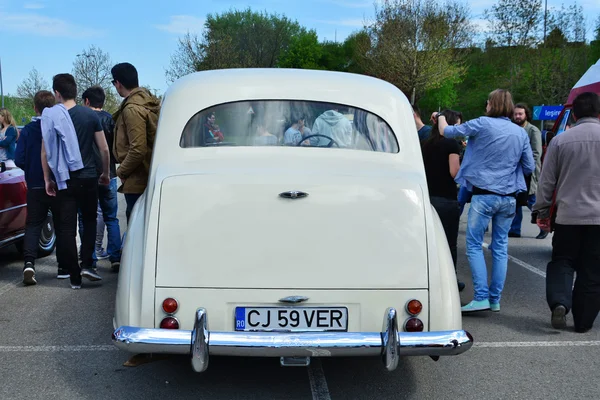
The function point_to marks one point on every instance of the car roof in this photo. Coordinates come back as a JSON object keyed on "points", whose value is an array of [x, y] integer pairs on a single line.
{"points": [[209, 88]]}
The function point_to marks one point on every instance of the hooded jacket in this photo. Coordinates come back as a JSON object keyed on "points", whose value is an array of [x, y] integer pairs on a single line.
{"points": [[135, 130], [334, 125]]}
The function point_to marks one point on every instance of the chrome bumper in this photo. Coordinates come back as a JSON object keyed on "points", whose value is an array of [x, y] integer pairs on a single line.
{"points": [[200, 342]]}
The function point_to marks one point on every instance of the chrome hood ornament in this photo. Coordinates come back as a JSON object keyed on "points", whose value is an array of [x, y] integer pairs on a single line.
{"points": [[293, 194], [293, 299]]}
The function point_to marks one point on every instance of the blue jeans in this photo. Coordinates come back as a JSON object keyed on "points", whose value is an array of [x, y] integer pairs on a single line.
{"points": [[108, 202], [517, 222], [501, 211], [130, 200]]}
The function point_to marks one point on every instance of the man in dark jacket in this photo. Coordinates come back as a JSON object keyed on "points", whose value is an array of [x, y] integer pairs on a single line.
{"points": [[135, 131], [28, 158], [94, 98]]}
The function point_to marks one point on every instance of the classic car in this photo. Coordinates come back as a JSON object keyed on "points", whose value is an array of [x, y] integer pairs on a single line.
{"points": [[13, 212], [246, 246]]}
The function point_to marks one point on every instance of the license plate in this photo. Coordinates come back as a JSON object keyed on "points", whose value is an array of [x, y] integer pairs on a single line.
{"points": [[302, 319]]}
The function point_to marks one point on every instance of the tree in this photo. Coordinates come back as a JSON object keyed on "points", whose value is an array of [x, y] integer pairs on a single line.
{"points": [[304, 51], [92, 67], [515, 24], [416, 44], [235, 39], [597, 29], [31, 85], [554, 67]]}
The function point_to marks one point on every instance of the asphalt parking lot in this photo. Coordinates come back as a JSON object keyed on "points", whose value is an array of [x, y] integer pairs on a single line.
{"points": [[55, 344]]}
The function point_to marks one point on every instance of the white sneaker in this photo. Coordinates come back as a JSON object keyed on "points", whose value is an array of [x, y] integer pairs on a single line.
{"points": [[29, 274]]}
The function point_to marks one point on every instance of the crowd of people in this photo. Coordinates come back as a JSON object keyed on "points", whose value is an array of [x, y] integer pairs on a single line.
{"points": [[501, 171], [69, 154]]}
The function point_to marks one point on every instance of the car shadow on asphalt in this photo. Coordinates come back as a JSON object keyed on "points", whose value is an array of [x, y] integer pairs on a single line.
{"points": [[348, 376]]}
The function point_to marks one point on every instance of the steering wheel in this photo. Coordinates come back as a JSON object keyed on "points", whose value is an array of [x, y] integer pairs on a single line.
{"points": [[331, 140]]}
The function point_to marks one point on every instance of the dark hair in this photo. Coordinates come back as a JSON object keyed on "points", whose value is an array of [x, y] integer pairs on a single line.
{"points": [[451, 118], [65, 85], [586, 105], [501, 104], [523, 106], [95, 95], [417, 110], [126, 74], [43, 99]]}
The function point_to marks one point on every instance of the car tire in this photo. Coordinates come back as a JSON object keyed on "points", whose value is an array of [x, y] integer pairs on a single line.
{"points": [[47, 242]]}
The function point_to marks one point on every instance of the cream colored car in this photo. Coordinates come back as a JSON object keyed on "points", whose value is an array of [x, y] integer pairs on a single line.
{"points": [[287, 215]]}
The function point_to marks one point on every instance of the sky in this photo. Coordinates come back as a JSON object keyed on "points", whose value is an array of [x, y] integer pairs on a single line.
{"points": [[48, 35]]}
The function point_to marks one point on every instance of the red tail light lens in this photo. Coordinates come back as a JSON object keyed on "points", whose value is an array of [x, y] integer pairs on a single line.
{"points": [[414, 307], [170, 305], [413, 325], [169, 323]]}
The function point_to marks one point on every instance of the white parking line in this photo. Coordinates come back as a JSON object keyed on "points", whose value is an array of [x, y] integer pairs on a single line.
{"points": [[55, 349], [558, 343], [522, 263], [318, 384]]}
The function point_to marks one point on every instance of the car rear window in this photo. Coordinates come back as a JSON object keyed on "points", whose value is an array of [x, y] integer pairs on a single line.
{"points": [[289, 123]]}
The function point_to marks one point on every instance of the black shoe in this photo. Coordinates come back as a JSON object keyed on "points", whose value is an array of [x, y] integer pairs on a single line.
{"points": [[514, 235], [542, 235], [29, 274], [91, 274], [559, 317], [461, 286], [582, 330], [115, 266], [62, 274]]}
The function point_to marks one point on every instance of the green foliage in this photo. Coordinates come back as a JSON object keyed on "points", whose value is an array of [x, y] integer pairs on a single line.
{"points": [[304, 51], [21, 109]]}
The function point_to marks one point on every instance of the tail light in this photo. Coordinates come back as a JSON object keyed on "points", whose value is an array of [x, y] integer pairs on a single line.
{"points": [[413, 325], [170, 305], [169, 323], [414, 307]]}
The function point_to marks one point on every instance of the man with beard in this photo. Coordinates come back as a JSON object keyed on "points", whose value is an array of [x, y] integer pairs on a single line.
{"points": [[522, 117]]}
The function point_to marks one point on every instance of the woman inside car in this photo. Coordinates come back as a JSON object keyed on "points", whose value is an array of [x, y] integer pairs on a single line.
{"points": [[441, 158]]}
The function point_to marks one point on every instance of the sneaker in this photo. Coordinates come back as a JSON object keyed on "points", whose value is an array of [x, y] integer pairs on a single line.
{"points": [[115, 266], [75, 287], [559, 317], [29, 274], [482, 305], [514, 235], [101, 254], [62, 274], [495, 307], [91, 274]]}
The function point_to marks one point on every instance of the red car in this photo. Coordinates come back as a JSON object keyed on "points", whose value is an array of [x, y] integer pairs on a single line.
{"points": [[13, 213]]}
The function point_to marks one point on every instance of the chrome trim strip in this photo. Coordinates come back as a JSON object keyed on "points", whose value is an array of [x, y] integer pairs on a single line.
{"points": [[13, 208], [11, 239], [200, 342]]}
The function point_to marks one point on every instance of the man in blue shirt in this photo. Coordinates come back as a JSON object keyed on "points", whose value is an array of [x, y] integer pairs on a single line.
{"points": [[28, 158], [496, 160]]}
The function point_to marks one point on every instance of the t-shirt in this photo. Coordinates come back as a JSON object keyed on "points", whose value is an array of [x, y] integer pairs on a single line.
{"points": [[292, 136], [424, 132], [86, 123], [437, 167]]}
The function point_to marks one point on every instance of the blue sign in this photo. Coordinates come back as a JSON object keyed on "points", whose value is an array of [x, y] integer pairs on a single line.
{"points": [[546, 113]]}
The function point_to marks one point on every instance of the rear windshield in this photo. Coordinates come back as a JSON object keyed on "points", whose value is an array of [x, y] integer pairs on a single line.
{"points": [[289, 123]]}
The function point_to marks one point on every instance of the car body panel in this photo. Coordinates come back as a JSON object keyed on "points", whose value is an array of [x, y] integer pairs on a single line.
{"points": [[242, 228], [13, 204]]}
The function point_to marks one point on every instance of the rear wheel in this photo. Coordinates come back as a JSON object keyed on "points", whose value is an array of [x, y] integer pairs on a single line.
{"points": [[47, 237]]}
